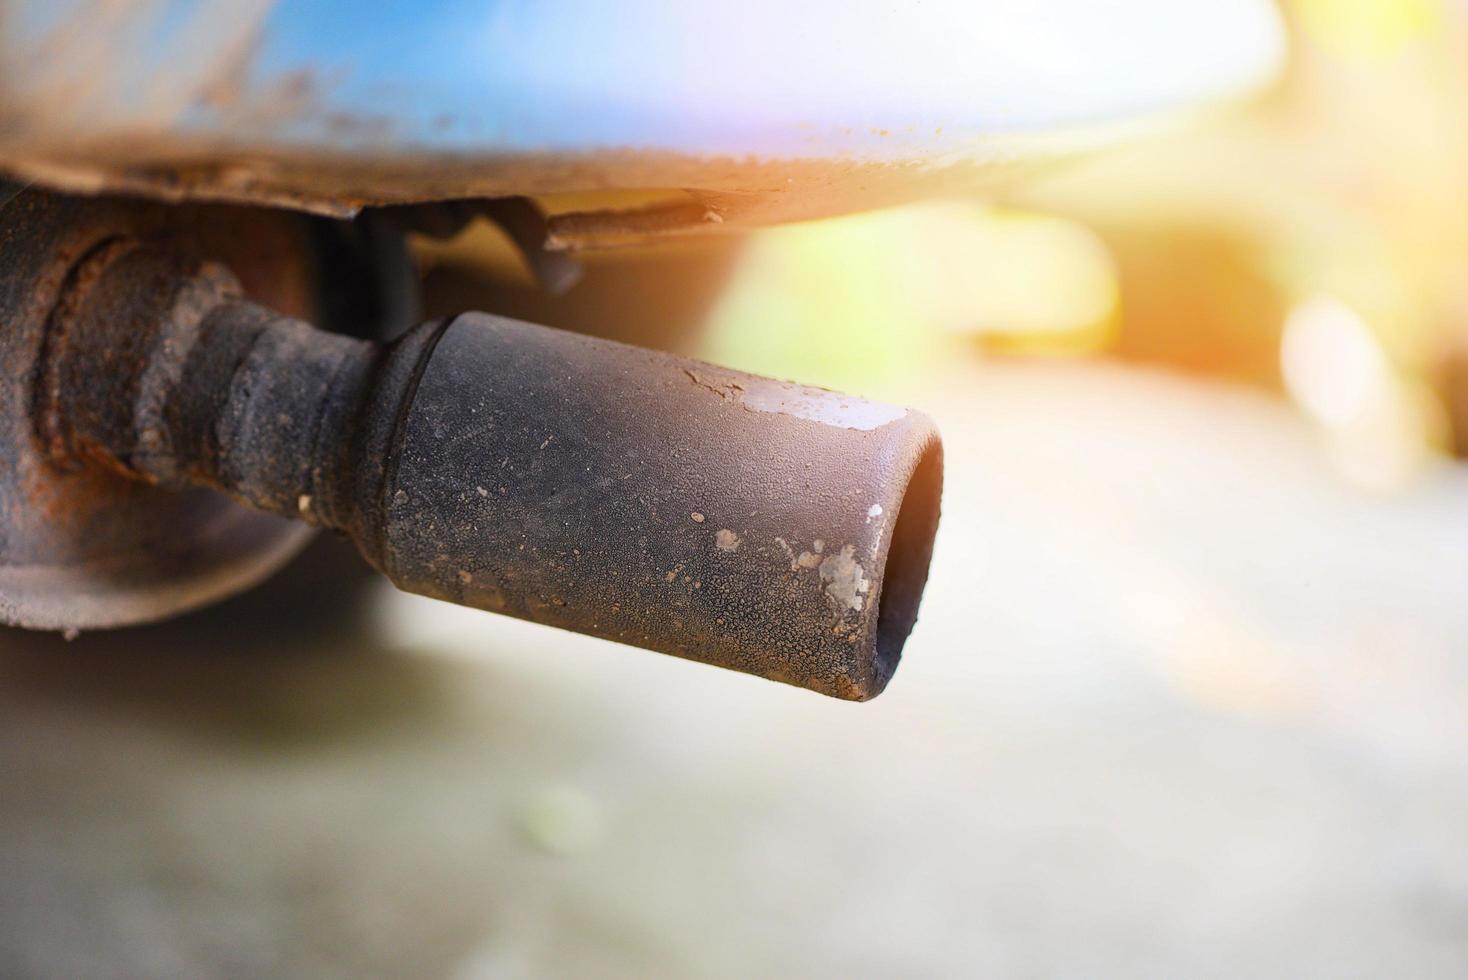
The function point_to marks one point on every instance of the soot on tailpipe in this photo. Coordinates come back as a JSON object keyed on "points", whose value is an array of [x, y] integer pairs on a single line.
{"points": [[767, 527]]}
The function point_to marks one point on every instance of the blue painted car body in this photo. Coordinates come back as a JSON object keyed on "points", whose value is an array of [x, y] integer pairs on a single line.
{"points": [[824, 105]]}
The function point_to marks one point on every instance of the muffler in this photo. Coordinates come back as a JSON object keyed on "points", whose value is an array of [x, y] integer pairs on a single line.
{"points": [[771, 528]]}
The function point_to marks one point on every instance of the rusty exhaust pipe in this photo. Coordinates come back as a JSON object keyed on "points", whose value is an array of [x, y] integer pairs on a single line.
{"points": [[770, 528]]}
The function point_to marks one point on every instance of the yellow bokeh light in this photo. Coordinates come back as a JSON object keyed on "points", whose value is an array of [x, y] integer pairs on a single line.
{"points": [[1368, 29]]}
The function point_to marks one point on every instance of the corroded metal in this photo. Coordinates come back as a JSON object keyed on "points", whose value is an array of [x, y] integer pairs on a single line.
{"points": [[752, 113], [85, 546], [767, 527], [774, 529]]}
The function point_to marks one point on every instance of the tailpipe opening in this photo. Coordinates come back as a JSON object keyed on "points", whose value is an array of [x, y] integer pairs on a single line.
{"points": [[909, 555]]}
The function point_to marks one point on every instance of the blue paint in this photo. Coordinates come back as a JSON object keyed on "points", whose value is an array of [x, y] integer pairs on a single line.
{"points": [[868, 79]]}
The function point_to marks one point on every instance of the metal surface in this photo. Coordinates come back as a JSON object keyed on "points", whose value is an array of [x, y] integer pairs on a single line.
{"points": [[85, 546], [773, 529], [762, 526], [751, 113]]}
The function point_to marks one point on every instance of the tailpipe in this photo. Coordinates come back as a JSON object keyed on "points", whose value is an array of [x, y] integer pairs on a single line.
{"points": [[771, 528], [774, 529]]}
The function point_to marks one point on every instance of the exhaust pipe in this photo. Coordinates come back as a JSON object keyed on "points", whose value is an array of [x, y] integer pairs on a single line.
{"points": [[776, 529]]}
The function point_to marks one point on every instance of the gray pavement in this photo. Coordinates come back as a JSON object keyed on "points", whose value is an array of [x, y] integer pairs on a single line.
{"points": [[1181, 703]]}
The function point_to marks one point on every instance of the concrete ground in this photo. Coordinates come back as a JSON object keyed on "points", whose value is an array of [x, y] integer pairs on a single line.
{"points": [[1181, 703]]}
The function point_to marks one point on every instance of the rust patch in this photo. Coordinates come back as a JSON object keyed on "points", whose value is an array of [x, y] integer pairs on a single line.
{"points": [[86, 545]]}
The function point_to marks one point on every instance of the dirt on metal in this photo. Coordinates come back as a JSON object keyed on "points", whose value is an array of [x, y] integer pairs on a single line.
{"points": [[580, 483], [83, 543]]}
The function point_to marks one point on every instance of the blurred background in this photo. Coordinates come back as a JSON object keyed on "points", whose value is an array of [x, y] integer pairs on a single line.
{"points": [[1189, 692]]}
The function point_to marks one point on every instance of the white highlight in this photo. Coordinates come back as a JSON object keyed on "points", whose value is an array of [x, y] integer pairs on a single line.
{"points": [[1332, 364]]}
